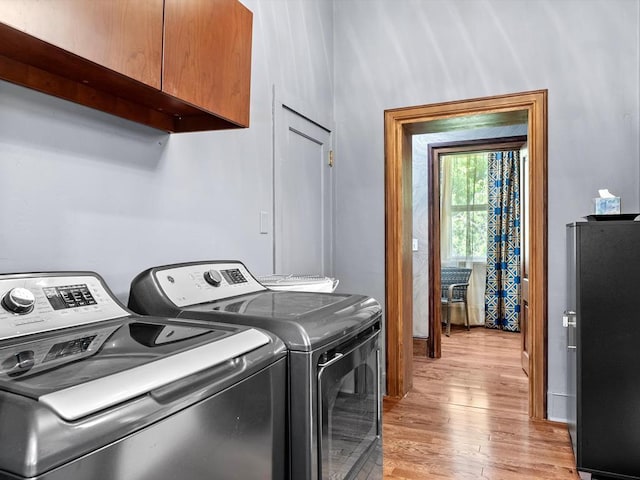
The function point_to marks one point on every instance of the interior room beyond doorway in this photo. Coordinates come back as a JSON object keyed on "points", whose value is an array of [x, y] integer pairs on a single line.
{"points": [[463, 227]]}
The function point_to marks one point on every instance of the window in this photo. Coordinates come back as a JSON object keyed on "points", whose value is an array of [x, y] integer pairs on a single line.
{"points": [[463, 205]]}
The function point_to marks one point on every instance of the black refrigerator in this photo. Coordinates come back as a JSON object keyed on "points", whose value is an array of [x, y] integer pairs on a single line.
{"points": [[603, 346]]}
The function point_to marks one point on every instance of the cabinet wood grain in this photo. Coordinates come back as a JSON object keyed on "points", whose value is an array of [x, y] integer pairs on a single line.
{"points": [[207, 55], [123, 35], [108, 55]]}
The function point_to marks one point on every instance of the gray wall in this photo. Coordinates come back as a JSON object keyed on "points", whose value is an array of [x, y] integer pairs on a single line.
{"points": [[409, 52], [420, 178], [80, 189]]}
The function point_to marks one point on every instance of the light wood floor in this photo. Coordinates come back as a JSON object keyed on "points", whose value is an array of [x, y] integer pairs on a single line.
{"points": [[466, 417]]}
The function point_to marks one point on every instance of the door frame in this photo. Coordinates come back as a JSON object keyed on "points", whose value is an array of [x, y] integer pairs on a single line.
{"points": [[400, 125]]}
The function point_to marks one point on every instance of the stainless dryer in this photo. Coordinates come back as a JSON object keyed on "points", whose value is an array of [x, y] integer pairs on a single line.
{"points": [[335, 429], [90, 391]]}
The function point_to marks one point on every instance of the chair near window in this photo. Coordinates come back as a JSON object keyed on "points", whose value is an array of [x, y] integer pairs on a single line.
{"points": [[454, 282]]}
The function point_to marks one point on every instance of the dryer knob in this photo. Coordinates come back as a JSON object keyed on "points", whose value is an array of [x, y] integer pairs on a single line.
{"points": [[213, 277], [19, 300]]}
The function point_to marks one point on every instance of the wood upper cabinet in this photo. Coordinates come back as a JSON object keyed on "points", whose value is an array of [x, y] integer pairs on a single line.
{"points": [[175, 65], [123, 35], [207, 55]]}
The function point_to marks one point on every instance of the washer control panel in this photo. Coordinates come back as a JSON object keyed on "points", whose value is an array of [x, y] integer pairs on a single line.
{"points": [[206, 282], [32, 303]]}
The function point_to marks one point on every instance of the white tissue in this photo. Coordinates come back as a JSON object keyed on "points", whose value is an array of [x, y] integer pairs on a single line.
{"points": [[605, 193]]}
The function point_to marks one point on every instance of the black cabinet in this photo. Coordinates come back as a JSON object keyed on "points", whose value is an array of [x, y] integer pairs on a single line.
{"points": [[603, 347]]}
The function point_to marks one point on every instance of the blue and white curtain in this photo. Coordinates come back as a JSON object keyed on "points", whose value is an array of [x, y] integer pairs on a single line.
{"points": [[502, 292]]}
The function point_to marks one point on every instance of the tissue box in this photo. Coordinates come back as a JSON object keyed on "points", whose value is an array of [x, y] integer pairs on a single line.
{"points": [[607, 206]]}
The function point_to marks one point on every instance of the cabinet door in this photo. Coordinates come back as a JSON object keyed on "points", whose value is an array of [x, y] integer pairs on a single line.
{"points": [[207, 56], [122, 35]]}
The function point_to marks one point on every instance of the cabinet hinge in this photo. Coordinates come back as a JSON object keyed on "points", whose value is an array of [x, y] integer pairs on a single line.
{"points": [[331, 158]]}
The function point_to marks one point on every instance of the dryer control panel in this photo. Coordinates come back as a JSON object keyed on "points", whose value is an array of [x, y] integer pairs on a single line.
{"points": [[192, 284], [33, 303]]}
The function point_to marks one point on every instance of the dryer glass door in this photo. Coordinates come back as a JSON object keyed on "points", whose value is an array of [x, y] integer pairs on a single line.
{"points": [[349, 407]]}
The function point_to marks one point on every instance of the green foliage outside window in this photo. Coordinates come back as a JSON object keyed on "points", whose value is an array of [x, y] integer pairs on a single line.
{"points": [[468, 204]]}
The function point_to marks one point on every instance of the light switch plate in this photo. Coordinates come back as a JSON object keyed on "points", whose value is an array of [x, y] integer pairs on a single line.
{"points": [[264, 222], [415, 244]]}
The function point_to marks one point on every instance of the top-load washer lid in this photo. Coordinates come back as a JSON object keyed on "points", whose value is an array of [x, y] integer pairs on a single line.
{"points": [[80, 371], [225, 291]]}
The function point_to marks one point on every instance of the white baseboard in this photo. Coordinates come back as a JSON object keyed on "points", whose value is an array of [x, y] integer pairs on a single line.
{"points": [[557, 407]]}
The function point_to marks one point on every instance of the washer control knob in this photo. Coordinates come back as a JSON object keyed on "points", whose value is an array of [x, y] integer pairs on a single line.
{"points": [[213, 277], [19, 300]]}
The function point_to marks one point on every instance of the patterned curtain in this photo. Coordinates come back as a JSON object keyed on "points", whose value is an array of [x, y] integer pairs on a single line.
{"points": [[502, 293]]}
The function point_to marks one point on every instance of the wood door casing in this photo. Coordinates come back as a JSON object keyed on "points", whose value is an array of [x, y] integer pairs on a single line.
{"points": [[434, 344], [207, 56], [123, 35], [525, 356], [400, 124]]}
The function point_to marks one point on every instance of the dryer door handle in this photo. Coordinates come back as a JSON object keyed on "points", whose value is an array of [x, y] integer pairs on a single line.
{"points": [[336, 356]]}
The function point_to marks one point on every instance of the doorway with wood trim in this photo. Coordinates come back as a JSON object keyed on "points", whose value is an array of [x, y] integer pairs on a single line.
{"points": [[400, 125]]}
